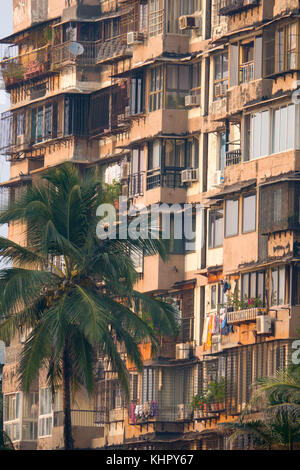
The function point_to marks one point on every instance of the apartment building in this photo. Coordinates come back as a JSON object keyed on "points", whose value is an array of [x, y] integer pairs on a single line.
{"points": [[182, 101]]}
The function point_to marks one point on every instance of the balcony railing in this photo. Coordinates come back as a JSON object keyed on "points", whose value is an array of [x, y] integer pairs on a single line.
{"points": [[247, 315], [169, 178], [80, 418], [233, 157], [246, 72], [230, 7], [136, 184], [90, 52], [26, 66], [152, 411]]}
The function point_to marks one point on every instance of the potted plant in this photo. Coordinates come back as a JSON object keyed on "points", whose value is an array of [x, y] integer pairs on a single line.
{"points": [[199, 405], [216, 394]]}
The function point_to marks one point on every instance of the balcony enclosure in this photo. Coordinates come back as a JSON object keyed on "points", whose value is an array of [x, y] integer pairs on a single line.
{"points": [[166, 395], [231, 7]]}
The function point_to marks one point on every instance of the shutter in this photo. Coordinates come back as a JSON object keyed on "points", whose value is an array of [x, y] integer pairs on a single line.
{"points": [[258, 57], [234, 64]]}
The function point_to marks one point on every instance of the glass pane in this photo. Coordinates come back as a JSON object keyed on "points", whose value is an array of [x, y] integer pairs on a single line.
{"points": [[265, 132], [274, 287], [245, 286], [291, 127], [213, 297], [283, 129], [281, 286], [249, 213], [232, 218]]}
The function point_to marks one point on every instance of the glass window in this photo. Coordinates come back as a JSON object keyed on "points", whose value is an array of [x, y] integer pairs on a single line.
{"points": [[245, 286], [156, 88], [284, 120], [192, 160], [213, 297], [222, 151], [177, 86], [278, 280], [154, 150], [232, 218], [215, 238], [249, 213], [220, 75], [259, 135]]}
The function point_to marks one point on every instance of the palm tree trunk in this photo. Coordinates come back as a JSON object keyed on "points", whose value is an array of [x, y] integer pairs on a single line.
{"points": [[68, 439]]}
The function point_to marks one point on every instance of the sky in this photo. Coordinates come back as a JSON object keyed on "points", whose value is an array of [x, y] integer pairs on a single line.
{"points": [[5, 30]]}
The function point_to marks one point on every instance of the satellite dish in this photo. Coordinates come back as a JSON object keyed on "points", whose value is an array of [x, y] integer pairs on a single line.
{"points": [[76, 48]]}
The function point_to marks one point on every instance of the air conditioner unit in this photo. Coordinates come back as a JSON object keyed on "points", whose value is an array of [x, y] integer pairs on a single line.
{"points": [[183, 351], [216, 344], [192, 100], [219, 177], [220, 90], [263, 325], [187, 22], [134, 37], [190, 175]]}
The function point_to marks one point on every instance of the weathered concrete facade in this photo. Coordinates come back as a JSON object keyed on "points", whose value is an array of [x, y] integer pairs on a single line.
{"points": [[146, 89]]}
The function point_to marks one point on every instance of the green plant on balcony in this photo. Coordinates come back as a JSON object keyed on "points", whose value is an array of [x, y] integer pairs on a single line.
{"points": [[239, 303], [215, 395]]}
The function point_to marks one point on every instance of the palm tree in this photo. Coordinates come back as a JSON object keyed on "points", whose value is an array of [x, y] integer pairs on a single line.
{"points": [[87, 304], [277, 399]]}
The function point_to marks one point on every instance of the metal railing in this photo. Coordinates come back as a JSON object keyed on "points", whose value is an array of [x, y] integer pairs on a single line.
{"points": [[62, 53], [153, 411], [246, 315], [169, 178], [233, 157], [247, 72], [136, 184], [26, 66], [80, 418]]}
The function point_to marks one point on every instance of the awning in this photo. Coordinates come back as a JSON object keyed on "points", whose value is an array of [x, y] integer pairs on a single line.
{"points": [[235, 188]]}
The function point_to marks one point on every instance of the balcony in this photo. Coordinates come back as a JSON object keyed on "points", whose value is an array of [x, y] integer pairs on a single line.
{"points": [[231, 7], [136, 184], [26, 66], [90, 53], [247, 72], [170, 178], [233, 157], [244, 316], [153, 412], [80, 418]]}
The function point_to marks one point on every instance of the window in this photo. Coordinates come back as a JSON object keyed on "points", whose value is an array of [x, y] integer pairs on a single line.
{"points": [[213, 297], [253, 285], [232, 217], [137, 172], [174, 153], [196, 78], [45, 416], [249, 213], [284, 128], [177, 8], [177, 86], [156, 88], [192, 153], [177, 245], [12, 415], [222, 150], [215, 238], [137, 94], [278, 281], [134, 380], [149, 384], [220, 75], [259, 135], [247, 62], [156, 17], [286, 50], [154, 153]]}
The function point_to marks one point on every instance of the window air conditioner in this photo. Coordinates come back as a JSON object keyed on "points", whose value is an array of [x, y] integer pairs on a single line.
{"points": [[133, 37], [263, 325], [187, 22], [192, 100], [190, 175]]}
